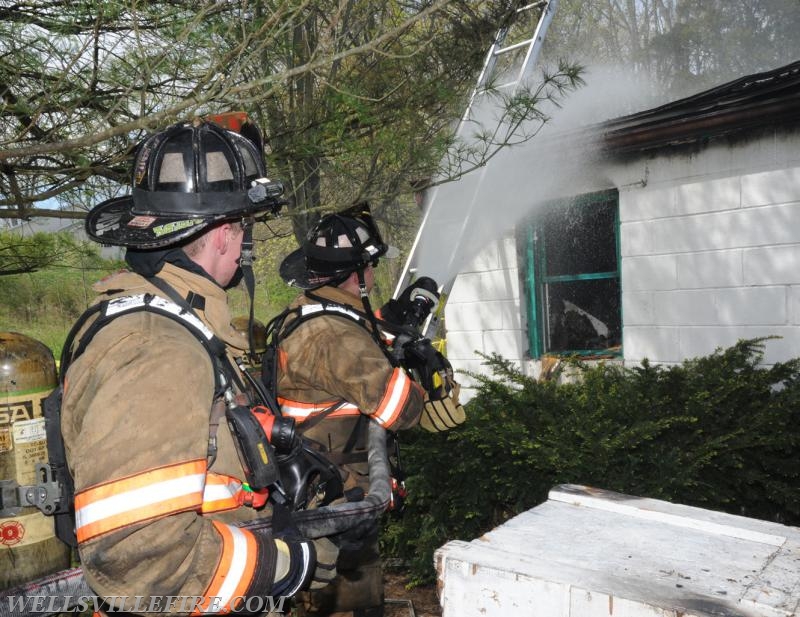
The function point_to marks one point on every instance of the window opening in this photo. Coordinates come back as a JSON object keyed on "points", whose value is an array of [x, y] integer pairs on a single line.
{"points": [[573, 277]]}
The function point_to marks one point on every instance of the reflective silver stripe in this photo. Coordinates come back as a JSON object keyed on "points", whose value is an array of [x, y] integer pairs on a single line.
{"points": [[218, 491], [398, 387], [130, 303], [238, 568], [306, 565], [138, 498], [305, 412], [313, 309]]}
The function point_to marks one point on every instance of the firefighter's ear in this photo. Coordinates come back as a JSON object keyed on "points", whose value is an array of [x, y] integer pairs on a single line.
{"points": [[222, 237]]}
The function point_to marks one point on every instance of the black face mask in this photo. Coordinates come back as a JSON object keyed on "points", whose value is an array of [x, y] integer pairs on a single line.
{"points": [[150, 263]]}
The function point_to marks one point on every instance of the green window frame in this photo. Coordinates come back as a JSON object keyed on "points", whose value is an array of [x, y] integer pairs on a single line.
{"points": [[572, 277]]}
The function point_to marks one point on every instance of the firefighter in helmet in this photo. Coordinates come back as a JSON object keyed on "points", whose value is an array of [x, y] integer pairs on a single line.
{"points": [[335, 375], [159, 487]]}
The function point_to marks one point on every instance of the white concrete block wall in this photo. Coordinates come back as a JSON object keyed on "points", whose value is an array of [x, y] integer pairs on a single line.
{"points": [[483, 312], [710, 259], [710, 248]]}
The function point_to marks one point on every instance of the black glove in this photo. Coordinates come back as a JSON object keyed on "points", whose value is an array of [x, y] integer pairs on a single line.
{"points": [[413, 306]]}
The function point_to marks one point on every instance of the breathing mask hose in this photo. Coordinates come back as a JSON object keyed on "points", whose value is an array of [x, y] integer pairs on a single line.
{"points": [[335, 519], [68, 587]]}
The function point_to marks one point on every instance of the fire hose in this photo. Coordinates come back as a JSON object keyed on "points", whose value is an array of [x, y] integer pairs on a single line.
{"points": [[63, 589]]}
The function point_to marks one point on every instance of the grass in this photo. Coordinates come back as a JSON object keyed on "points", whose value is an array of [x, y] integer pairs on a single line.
{"points": [[45, 304]]}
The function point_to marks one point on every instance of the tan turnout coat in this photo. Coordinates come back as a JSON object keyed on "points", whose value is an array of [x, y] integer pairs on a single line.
{"points": [[332, 360], [152, 518]]}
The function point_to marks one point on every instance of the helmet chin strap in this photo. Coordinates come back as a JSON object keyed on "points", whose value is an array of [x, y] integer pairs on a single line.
{"points": [[364, 293], [246, 265]]}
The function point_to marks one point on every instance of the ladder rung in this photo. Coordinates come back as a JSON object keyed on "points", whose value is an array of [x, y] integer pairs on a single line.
{"points": [[532, 5], [513, 47]]}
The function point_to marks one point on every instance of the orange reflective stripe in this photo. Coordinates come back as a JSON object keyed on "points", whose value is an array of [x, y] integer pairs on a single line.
{"points": [[220, 493], [301, 411], [234, 572], [138, 498], [394, 399]]}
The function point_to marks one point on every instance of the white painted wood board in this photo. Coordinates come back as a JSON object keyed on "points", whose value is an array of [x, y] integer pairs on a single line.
{"points": [[588, 553]]}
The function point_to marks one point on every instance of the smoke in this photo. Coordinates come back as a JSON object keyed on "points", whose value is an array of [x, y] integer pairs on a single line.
{"points": [[466, 215]]}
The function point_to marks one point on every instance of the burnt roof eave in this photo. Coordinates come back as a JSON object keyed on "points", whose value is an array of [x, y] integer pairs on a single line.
{"points": [[691, 129]]}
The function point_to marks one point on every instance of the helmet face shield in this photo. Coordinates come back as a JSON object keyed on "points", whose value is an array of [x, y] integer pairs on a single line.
{"points": [[184, 179]]}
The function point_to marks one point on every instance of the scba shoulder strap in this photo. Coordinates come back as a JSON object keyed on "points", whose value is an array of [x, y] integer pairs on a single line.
{"points": [[103, 313], [109, 310]]}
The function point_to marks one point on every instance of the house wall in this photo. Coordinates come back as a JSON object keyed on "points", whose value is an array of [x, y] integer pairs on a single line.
{"points": [[710, 248]]}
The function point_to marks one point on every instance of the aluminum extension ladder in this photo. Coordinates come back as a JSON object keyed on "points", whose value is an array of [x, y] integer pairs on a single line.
{"points": [[508, 64]]}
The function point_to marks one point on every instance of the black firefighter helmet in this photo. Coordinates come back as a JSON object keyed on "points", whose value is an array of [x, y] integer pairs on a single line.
{"points": [[185, 178], [335, 246]]}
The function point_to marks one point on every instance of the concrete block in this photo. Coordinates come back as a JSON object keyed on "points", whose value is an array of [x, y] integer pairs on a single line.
{"points": [[785, 148], [708, 196], [647, 203], [659, 272], [682, 234], [697, 342], [461, 366], [473, 316], [490, 315], [510, 344], [752, 306], [483, 286], [794, 306], [681, 307], [710, 269], [750, 227], [768, 225], [772, 265], [637, 308], [762, 153], [487, 259], [462, 345], [716, 160], [636, 239], [507, 252], [771, 187], [657, 344]]}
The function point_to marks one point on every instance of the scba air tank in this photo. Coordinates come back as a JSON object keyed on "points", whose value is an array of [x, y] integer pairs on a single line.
{"points": [[28, 545]]}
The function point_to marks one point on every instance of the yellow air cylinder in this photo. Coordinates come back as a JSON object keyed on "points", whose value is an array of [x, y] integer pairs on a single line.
{"points": [[28, 545]]}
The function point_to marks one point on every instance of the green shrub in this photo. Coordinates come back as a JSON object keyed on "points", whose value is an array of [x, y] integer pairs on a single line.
{"points": [[719, 432]]}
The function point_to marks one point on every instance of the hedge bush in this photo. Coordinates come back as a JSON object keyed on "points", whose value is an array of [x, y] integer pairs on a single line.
{"points": [[719, 432]]}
